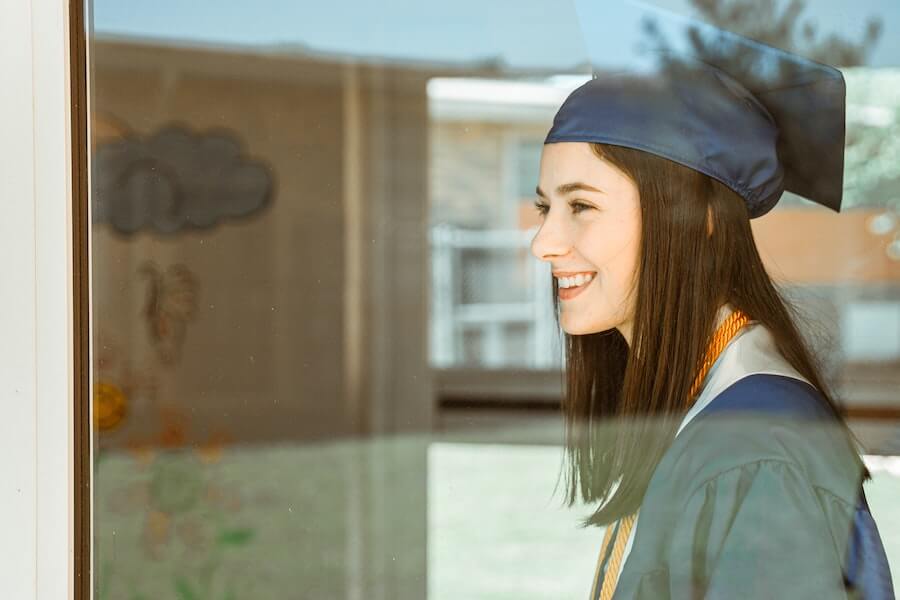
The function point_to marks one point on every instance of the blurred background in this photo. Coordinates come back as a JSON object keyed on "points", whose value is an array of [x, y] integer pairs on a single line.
{"points": [[326, 364]]}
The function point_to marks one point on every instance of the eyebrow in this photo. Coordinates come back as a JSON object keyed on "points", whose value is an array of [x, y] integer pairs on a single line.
{"points": [[568, 188]]}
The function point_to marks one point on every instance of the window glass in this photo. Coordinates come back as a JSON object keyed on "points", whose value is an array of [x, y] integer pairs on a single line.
{"points": [[325, 361]]}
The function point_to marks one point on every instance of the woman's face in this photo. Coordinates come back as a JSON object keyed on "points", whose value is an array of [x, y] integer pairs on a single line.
{"points": [[591, 227]]}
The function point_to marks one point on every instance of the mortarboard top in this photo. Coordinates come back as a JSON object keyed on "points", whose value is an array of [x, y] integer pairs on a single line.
{"points": [[756, 118]]}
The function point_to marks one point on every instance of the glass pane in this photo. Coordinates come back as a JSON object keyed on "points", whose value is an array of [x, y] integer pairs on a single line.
{"points": [[326, 361]]}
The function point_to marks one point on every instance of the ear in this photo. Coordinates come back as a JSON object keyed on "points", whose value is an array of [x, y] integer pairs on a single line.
{"points": [[709, 221]]}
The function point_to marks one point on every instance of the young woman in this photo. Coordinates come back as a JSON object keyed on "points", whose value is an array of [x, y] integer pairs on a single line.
{"points": [[696, 414]]}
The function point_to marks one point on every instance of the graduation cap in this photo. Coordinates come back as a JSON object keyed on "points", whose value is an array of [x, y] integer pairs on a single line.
{"points": [[756, 118]]}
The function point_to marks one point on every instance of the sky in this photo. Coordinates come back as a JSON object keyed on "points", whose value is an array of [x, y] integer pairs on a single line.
{"points": [[524, 33]]}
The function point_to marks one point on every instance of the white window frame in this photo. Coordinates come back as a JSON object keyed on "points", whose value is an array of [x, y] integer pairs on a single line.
{"points": [[36, 354]]}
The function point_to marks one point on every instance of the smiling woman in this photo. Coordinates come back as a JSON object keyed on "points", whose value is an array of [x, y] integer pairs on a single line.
{"points": [[589, 231], [697, 416]]}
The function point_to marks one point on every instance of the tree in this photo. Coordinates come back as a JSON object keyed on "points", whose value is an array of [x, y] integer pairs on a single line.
{"points": [[762, 21]]}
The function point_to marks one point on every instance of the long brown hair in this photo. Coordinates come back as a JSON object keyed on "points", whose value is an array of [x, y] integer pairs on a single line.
{"points": [[623, 404]]}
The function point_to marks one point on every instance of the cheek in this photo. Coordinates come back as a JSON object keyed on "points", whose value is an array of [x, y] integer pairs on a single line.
{"points": [[614, 250]]}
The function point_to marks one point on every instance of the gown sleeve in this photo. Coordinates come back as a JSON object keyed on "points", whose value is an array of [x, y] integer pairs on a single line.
{"points": [[757, 531]]}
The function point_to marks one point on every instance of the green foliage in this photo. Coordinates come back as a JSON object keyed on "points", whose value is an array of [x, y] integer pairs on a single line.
{"points": [[183, 589], [872, 155], [235, 537]]}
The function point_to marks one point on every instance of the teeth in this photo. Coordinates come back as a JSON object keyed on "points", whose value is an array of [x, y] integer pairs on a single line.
{"points": [[580, 279]]}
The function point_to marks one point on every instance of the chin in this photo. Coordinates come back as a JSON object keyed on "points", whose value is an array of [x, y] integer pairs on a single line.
{"points": [[575, 328]]}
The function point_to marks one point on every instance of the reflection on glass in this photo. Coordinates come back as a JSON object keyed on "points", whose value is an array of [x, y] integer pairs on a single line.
{"points": [[325, 362]]}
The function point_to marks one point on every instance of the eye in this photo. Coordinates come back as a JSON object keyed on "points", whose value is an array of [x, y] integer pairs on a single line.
{"points": [[541, 208], [577, 207]]}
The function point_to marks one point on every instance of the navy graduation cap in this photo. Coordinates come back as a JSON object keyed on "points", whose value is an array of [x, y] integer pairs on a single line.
{"points": [[756, 118]]}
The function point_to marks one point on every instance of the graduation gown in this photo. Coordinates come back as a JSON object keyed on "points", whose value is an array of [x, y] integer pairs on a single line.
{"points": [[759, 495]]}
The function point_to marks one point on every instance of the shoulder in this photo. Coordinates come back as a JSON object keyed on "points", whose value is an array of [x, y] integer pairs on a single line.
{"points": [[765, 471], [772, 394], [769, 422]]}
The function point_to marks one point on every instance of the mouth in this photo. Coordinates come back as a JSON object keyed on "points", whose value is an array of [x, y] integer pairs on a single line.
{"points": [[574, 285]]}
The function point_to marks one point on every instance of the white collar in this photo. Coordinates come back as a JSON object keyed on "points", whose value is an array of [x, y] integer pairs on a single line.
{"points": [[751, 351]]}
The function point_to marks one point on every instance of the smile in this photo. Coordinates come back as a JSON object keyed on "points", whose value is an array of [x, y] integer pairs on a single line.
{"points": [[569, 287]]}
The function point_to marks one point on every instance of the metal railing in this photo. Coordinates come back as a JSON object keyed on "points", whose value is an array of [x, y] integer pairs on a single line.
{"points": [[491, 301]]}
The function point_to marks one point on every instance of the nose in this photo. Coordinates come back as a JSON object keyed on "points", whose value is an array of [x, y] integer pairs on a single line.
{"points": [[551, 240]]}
